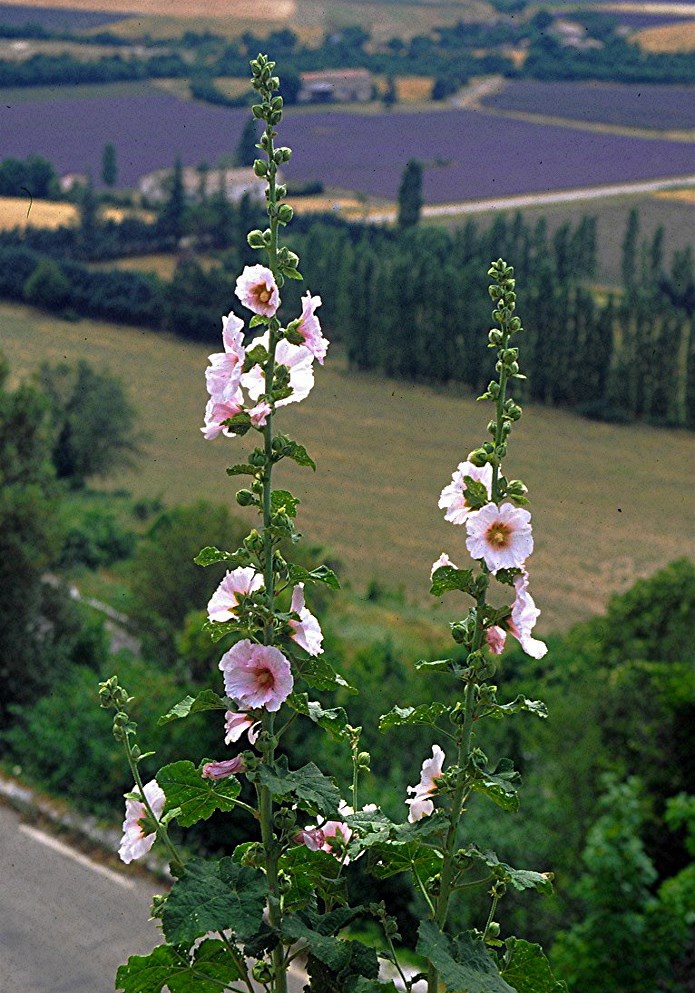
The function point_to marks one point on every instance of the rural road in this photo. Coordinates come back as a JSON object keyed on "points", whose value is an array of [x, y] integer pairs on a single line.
{"points": [[541, 199], [67, 923]]}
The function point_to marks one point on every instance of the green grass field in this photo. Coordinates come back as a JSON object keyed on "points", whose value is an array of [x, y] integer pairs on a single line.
{"points": [[610, 503]]}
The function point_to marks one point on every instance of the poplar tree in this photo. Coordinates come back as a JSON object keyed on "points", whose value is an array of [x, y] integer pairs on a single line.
{"points": [[410, 195]]}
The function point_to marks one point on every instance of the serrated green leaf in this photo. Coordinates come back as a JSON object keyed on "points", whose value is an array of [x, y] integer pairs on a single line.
{"points": [[256, 355], [242, 469], [322, 574], [214, 896], [196, 797], [218, 629], [206, 700], [282, 502], [320, 675], [447, 578], [439, 665], [519, 703], [500, 785], [257, 318], [334, 721], [292, 274], [315, 792], [298, 453], [464, 964], [411, 856], [309, 873], [426, 713], [210, 555], [211, 966], [527, 969], [519, 879], [475, 493], [331, 951], [240, 423]]}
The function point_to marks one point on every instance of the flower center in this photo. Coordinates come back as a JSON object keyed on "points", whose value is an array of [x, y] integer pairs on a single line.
{"points": [[498, 534], [264, 294], [265, 678]]}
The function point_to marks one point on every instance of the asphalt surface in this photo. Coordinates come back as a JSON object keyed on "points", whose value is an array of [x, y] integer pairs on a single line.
{"points": [[66, 922]]}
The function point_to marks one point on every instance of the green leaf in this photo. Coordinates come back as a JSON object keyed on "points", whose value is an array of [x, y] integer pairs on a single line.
{"points": [[519, 879], [519, 703], [242, 469], [322, 574], [240, 423], [315, 792], [206, 700], [464, 964], [412, 856], [290, 273], [210, 555], [196, 797], [334, 721], [439, 665], [321, 675], [475, 493], [214, 896], [204, 972], [257, 319], [500, 785], [309, 873], [282, 502], [426, 713], [298, 453], [448, 577], [256, 355], [331, 951], [527, 969]]}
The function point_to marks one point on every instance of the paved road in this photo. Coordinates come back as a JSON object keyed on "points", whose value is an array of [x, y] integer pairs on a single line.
{"points": [[67, 923]]}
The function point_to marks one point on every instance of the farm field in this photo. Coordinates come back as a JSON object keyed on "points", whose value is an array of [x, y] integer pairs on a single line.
{"points": [[668, 38], [657, 107], [468, 154], [610, 503]]}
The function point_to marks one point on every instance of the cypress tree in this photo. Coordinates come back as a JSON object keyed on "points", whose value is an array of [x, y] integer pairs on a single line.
{"points": [[410, 195], [109, 165], [629, 258]]}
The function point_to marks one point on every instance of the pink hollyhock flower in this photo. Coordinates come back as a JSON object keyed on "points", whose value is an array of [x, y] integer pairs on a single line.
{"points": [[257, 290], [216, 412], [256, 675], [312, 837], [500, 535], [224, 373], [298, 360], [236, 584], [236, 722], [259, 414], [453, 499], [307, 630], [135, 843], [525, 613], [495, 638], [220, 770], [440, 563], [310, 329], [420, 804]]}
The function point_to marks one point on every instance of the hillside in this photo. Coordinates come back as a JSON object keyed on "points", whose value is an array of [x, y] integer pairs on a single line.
{"points": [[611, 503]]}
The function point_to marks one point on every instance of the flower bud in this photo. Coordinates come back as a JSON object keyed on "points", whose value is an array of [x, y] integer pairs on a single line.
{"points": [[255, 238], [493, 929], [262, 972], [245, 498], [257, 111], [260, 167], [285, 213]]}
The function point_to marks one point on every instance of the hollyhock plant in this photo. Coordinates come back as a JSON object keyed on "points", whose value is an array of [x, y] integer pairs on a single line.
{"points": [[135, 843], [236, 723], [307, 630], [420, 803], [309, 328], [256, 675], [257, 290], [501, 536], [453, 497], [224, 769], [234, 587]]}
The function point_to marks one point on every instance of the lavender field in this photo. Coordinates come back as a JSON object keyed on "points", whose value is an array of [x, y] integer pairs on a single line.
{"points": [[56, 18], [469, 155], [658, 106]]}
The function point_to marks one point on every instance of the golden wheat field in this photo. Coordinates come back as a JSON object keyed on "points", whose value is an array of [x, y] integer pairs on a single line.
{"points": [[21, 211], [678, 37], [610, 503]]}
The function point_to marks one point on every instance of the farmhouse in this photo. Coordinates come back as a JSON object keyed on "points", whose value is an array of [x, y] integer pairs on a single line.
{"points": [[336, 85], [197, 182]]}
